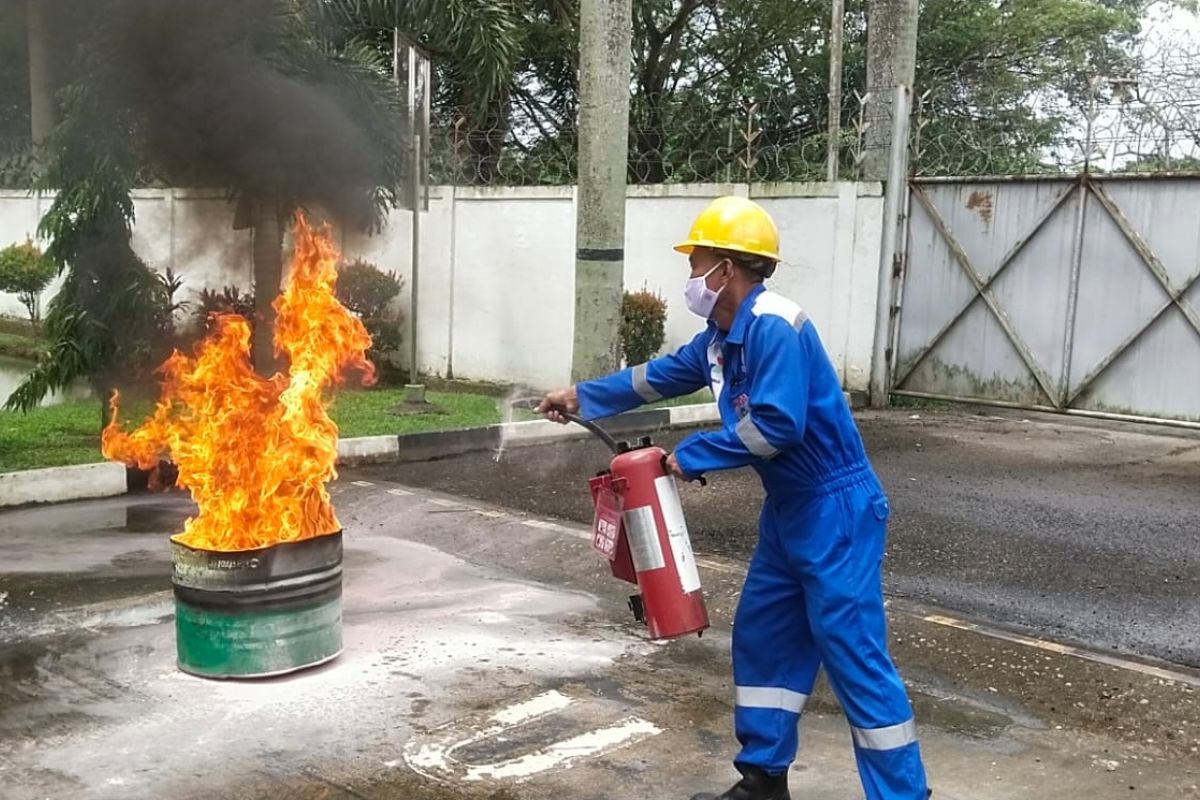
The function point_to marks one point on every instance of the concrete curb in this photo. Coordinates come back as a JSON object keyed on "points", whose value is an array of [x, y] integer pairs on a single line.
{"points": [[411, 447], [59, 484], [106, 479], [442, 444]]}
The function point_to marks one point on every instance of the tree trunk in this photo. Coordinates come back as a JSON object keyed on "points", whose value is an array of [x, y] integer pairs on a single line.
{"points": [[268, 278], [41, 86], [891, 62], [604, 56]]}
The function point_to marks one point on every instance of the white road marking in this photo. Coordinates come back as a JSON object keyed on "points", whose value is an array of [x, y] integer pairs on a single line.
{"points": [[1062, 649], [559, 754], [539, 706], [434, 757], [361, 483], [400, 492], [554, 526]]}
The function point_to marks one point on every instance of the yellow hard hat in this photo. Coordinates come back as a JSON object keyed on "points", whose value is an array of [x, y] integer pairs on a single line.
{"points": [[734, 223]]}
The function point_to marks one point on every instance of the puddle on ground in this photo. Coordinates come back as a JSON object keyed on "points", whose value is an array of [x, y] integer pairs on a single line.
{"points": [[38, 698], [32, 596], [161, 518]]}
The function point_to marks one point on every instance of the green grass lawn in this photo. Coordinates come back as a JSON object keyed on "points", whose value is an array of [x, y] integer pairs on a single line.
{"points": [[365, 413], [69, 433], [50, 437]]}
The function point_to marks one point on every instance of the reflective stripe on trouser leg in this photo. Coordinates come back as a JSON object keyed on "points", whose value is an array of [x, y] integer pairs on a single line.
{"points": [[837, 545], [888, 738], [775, 659], [894, 774]]}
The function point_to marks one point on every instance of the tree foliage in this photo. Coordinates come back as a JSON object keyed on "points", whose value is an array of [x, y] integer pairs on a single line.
{"points": [[1002, 82]]}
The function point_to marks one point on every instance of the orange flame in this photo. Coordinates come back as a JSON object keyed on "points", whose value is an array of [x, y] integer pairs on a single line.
{"points": [[256, 452]]}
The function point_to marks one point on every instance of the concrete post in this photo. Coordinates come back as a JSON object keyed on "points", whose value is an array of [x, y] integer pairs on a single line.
{"points": [[41, 88], [889, 276], [837, 26], [891, 62], [605, 31]]}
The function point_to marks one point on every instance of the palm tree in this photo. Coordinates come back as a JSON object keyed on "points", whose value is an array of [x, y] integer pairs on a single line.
{"points": [[162, 91], [480, 48]]}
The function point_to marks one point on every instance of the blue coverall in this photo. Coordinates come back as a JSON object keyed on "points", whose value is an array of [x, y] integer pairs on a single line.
{"points": [[813, 594]]}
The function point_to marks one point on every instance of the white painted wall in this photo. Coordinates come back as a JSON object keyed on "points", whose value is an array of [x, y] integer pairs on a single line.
{"points": [[496, 285]]}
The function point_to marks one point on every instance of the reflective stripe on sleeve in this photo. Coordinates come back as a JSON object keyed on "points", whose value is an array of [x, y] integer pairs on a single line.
{"points": [[754, 440], [641, 384]]}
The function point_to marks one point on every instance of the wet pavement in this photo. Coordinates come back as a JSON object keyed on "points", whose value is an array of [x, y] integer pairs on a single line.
{"points": [[489, 655], [1071, 529]]}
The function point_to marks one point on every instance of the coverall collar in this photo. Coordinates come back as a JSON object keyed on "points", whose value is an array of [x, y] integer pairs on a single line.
{"points": [[737, 331]]}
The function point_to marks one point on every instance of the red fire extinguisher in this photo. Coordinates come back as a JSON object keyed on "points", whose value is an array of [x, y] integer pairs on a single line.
{"points": [[639, 526]]}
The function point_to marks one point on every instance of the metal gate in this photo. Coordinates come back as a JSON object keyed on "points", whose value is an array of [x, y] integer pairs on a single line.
{"points": [[1074, 294]]}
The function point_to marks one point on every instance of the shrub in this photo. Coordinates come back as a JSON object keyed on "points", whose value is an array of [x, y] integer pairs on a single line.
{"points": [[25, 272], [367, 290], [230, 300], [643, 326]]}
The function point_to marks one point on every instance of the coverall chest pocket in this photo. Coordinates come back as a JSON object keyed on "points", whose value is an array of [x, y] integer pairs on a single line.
{"points": [[739, 392]]}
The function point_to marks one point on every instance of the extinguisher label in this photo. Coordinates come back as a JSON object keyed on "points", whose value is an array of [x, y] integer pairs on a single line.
{"points": [[643, 539], [606, 526], [677, 533]]}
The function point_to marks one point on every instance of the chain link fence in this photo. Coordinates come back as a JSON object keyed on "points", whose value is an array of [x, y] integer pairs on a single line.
{"points": [[1143, 116], [16, 162], [743, 141]]}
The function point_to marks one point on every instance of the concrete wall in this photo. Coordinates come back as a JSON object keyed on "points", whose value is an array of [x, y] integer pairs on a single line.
{"points": [[496, 285]]}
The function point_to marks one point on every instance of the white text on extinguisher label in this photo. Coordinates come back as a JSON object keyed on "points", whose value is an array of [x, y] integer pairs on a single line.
{"points": [[643, 539], [677, 533]]}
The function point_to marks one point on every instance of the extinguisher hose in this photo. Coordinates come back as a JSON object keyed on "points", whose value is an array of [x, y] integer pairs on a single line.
{"points": [[593, 428], [531, 404]]}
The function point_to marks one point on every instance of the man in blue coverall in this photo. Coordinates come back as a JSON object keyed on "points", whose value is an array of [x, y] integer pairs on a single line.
{"points": [[813, 594]]}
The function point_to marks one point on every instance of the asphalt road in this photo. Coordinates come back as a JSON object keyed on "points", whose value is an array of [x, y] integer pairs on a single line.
{"points": [[487, 658], [1077, 531]]}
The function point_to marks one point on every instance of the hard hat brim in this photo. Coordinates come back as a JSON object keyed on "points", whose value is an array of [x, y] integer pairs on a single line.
{"points": [[687, 247]]}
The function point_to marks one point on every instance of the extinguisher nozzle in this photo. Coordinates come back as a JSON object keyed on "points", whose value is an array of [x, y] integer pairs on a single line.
{"points": [[526, 403]]}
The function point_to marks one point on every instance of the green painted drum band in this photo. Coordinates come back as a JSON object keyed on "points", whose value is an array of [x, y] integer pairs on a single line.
{"points": [[248, 643]]}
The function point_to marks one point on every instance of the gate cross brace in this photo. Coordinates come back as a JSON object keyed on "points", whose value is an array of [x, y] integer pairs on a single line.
{"points": [[1146, 256], [983, 289]]}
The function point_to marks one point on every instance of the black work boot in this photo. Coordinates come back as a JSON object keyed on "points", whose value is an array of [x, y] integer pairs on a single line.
{"points": [[754, 785]]}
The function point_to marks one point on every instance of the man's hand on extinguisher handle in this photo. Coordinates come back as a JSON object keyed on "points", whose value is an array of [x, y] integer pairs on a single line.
{"points": [[555, 403], [671, 464]]}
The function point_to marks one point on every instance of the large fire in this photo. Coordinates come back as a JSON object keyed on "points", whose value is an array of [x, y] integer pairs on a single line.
{"points": [[256, 452]]}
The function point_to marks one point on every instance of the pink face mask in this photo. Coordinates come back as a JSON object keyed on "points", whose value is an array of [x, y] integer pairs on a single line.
{"points": [[701, 300]]}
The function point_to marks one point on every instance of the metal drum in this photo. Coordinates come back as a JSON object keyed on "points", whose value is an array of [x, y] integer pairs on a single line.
{"points": [[258, 613]]}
